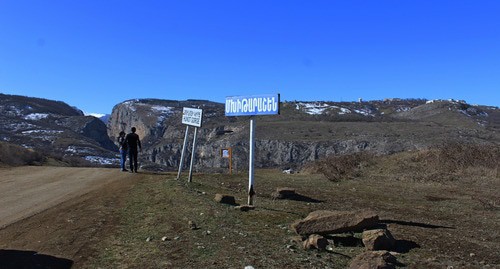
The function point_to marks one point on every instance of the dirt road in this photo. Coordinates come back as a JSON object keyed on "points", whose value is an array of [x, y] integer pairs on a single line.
{"points": [[58, 213], [25, 191]]}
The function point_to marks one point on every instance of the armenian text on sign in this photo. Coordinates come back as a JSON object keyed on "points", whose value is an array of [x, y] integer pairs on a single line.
{"points": [[192, 116], [267, 104]]}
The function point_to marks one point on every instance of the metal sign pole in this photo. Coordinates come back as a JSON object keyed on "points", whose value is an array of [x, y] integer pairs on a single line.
{"points": [[251, 191], [183, 152], [230, 161], [190, 179]]}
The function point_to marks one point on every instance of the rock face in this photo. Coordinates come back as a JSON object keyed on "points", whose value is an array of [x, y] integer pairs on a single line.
{"points": [[299, 135], [374, 260], [379, 239], [332, 222], [55, 129]]}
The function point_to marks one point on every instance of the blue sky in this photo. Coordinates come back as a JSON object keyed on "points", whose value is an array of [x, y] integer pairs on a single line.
{"points": [[95, 54]]}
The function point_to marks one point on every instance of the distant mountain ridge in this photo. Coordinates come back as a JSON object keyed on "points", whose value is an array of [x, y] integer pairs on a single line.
{"points": [[303, 132], [55, 130]]}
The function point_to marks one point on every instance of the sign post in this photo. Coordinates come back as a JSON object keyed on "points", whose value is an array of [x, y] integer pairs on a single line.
{"points": [[183, 151], [190, 178], [251, 172], [253, 105], [190, 117]]}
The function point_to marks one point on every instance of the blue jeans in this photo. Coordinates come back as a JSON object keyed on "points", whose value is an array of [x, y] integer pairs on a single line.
{"points": [[123, 158]]}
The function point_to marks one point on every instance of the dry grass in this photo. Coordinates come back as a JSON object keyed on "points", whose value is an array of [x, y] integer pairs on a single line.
{"points": [[14, 155], [450, 161], [437, 225], [336, 168]]}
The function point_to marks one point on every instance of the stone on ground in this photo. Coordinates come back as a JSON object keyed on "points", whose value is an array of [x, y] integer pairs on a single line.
{"points": [[284, 193], [225, 199], [374, 260], [315, 241], [378, 239], [325, 222]]}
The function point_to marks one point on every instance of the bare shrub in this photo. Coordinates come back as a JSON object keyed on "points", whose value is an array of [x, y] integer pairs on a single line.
{"points": [[340, 167], [447, 162], [458, 156], [15, 155], [450, 161]]}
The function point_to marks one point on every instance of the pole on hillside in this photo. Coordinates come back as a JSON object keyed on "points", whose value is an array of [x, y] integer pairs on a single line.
{"points": [[190, 179], [251, 191], [183, 152], [230, 161]]}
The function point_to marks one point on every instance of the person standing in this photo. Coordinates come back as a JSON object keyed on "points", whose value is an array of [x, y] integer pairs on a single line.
{"points": [[134, 143], [123, 150]]}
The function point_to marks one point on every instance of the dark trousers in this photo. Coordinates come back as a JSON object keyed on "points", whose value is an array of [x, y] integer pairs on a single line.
{"points": [[133, 159]]}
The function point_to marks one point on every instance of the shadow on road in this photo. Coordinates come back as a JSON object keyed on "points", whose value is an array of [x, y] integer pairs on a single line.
{"points": [[21, 259]]}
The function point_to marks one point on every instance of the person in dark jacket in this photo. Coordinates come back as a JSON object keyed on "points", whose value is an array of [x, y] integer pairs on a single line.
{"points": [[123, 150], [134, 143]]}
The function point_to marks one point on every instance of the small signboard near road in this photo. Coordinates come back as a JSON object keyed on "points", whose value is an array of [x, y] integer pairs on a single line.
{"points": [[192, 116]]}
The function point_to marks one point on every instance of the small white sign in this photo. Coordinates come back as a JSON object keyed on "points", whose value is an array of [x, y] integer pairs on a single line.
{"points": [[192, 116], [225, 153]]}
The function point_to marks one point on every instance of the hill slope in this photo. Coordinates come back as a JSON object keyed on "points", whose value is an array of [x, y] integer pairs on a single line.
{"points": [[304, 132], [55, 130]]}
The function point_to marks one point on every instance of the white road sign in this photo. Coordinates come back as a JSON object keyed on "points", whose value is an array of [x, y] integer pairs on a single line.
{"points": [[192, 116]]}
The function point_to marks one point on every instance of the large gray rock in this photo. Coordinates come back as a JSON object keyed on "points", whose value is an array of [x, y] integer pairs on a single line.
{"points": [[333, 222], [378, 239], [374, 260]]}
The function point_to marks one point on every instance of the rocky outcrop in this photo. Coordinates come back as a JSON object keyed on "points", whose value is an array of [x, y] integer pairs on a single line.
{"points": [[325, 222], [289, 140]]}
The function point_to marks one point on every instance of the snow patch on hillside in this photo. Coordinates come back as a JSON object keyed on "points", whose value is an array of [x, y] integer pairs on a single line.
{"points": [[52, 132], [130, 105], [365, 112], [344, 111], [163, 109], [318, 108], [101, 160], [36, 116]]}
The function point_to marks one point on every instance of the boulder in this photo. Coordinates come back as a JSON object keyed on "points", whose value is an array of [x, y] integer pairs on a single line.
{"points": [[315, 241], [225, 199], [378, 239], [374, 260], [284, 193], [333, 222]]}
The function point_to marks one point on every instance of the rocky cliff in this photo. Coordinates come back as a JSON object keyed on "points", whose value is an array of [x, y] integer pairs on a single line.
{"points": [[55, 129], [304, 132]]}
